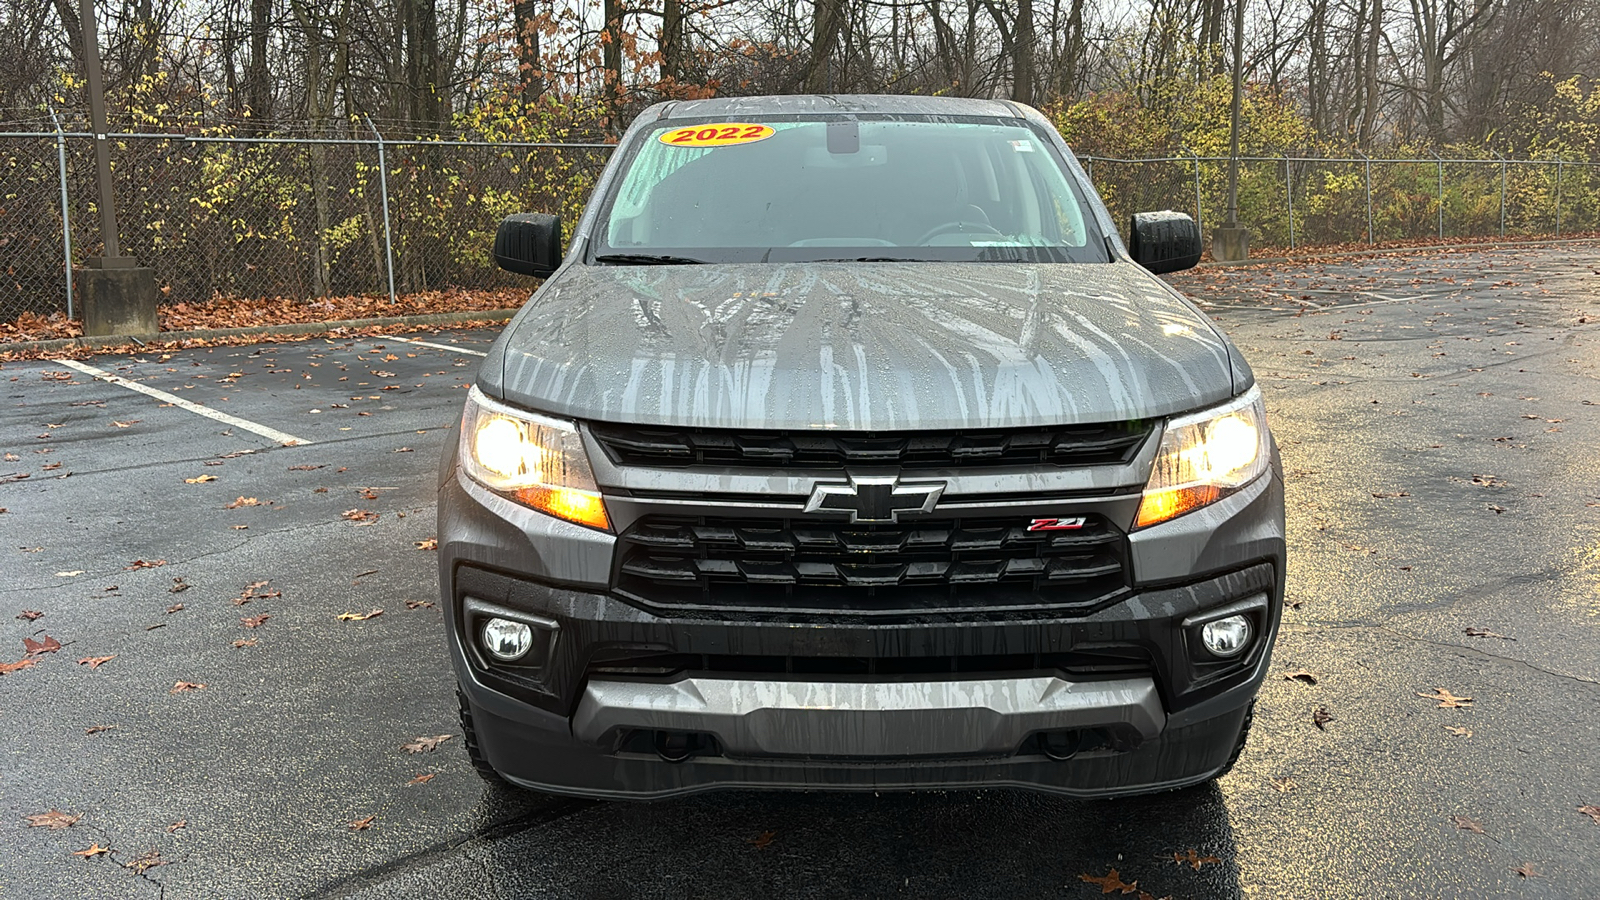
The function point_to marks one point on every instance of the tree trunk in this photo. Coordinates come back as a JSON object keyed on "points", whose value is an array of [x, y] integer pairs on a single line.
{"points": [[258, 88], [671, 40], [527, 21], [1023, 39], [826, 18]]}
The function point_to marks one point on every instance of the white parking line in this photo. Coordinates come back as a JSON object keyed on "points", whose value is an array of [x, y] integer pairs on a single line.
{"points": [[435, 346], [288, 440]]}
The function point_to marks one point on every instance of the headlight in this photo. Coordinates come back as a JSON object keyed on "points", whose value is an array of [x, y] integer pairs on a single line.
{"points": [[1206, 456], [536, 460]]}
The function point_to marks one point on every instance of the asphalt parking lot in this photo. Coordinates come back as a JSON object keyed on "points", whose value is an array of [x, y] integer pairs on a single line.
{"points": [[220, 526]]}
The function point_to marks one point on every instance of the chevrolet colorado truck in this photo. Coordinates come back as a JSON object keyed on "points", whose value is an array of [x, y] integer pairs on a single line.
{"points": [[847, 445]]}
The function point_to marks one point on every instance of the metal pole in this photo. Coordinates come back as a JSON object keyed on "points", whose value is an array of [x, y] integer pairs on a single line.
{"points": [[97, 121], [1371, 237], [1502, 193], [383, 189], [1288, 185], [1199, 220], [1090, 161], [1558, 198], [1441, 192], [66, 215]]}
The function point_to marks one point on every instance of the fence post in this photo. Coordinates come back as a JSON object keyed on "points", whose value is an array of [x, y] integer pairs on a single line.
{"points": [[1199, 218], [1288, 184], [383, 190], [66, 216], [1089, 160], [1558, 197], [1371, 237], [1502, 192], [1441, 192]]}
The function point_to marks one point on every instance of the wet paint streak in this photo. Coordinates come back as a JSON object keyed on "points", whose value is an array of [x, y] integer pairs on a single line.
{"points": [[862, 346]]}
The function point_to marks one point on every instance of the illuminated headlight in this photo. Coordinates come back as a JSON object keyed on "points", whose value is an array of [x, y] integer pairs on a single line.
{"points": [[538, 461], [1226, 637], [1206, 456]]}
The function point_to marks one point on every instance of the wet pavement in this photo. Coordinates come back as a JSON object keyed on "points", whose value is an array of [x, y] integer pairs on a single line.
{"points": [[1438, 425]]}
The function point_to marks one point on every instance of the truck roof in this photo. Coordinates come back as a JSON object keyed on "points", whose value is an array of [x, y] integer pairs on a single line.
{"points": [[838, 103]]}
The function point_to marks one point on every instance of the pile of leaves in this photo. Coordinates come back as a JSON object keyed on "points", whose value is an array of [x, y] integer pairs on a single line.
{"points": [[228, 312]]}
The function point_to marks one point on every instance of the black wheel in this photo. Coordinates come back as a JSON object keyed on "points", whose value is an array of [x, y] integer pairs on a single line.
{"points": [[474, 752], [1244, 735]]}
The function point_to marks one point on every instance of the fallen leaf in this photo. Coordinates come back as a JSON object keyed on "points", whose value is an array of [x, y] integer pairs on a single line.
{"points": [[95, 662], [1284, 784], [55, 818], [243, 501], [244, 643], [360, 617], [94, 850], [72, 574], [403, 450], [40, 648], [361, 824], [1446, 699], [182, 686], [422, 779], [762, 840], [19, 665], [419, 604], [128, 424], [427, 544], [178, 586], [145, 564], [176, 607], [181, 823], [425, 744], [1466, 824], [1484, 632], [1301, 675], [1526, 870], [1459, 730], [254, 621], [29, 615], [303, 468], [1110, 883], [1320, 717], [96, 729], [1191, 858], [149, 860], [1592, 811], [360, 516], [200, 479]]}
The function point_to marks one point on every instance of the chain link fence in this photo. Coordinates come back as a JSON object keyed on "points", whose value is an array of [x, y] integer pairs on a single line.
{"points": [[1301, 201], [302, 218]]}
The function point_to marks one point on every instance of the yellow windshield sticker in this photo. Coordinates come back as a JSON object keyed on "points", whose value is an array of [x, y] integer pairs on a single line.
{"points": [[722, 134]]}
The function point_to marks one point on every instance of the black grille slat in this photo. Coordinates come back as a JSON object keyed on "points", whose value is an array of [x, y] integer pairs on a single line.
{"points": [[1108, 444], [808, 565]]}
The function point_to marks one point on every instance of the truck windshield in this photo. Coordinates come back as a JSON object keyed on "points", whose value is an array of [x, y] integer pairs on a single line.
{"points": [[846, 188]]}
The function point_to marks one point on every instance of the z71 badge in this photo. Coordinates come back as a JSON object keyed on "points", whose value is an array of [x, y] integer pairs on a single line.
{"points": [[1071, 524]]}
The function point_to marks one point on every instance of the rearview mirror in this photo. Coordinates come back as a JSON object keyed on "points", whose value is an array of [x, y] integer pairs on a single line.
{"points": [[1164, 241], [529, 244]]}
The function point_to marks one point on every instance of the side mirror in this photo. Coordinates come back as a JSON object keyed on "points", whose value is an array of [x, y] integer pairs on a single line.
{"points": [[1164, 241], [529, 244]]}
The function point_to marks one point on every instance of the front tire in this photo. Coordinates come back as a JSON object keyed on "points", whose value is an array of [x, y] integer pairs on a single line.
{"points": [[480, 763]]}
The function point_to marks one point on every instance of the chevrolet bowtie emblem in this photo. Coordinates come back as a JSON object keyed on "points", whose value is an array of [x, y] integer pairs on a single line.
{"points": [[874, 498]]}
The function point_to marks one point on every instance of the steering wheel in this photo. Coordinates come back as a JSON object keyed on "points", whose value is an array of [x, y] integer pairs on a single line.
{"points": [[957, 225]]}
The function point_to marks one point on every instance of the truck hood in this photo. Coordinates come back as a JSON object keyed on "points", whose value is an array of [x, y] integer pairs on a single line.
{"points": [[859, 346]]}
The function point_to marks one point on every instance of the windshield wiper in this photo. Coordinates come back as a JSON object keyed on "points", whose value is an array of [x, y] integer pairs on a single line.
{"points": [[647, 259]]}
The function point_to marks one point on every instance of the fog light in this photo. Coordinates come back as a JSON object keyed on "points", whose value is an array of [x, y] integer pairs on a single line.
{"points": [[1227, 636], [506, 640]]}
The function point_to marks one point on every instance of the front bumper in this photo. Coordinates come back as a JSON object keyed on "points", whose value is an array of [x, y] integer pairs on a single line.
{"points": [[564, 728]]}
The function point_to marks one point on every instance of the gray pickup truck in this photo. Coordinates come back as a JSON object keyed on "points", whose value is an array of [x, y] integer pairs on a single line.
{"points": [[847, 446]]}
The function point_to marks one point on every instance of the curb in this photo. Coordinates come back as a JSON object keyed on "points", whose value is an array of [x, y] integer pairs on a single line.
{"points": [[1392, 251], [299, 329]]}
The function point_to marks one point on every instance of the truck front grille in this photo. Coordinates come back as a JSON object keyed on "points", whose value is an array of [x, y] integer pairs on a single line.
{"points": [[813, 565], [1111, 443]]}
